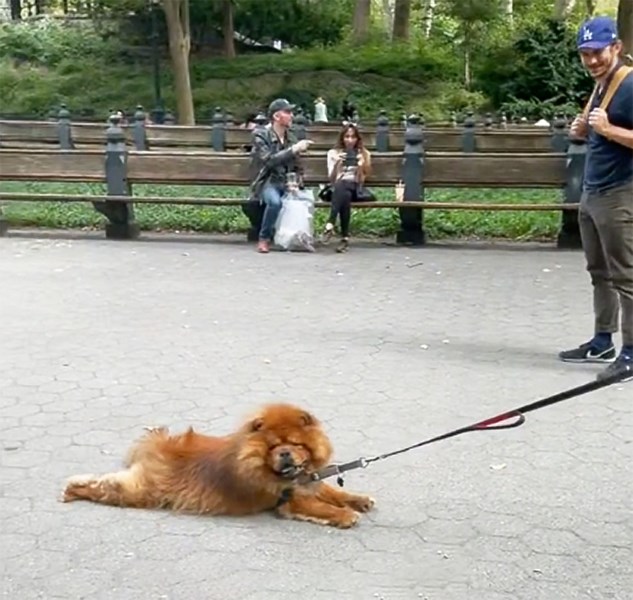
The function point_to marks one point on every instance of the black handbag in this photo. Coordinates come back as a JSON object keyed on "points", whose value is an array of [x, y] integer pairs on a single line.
{"points": [[364, 194], [325, 193]]}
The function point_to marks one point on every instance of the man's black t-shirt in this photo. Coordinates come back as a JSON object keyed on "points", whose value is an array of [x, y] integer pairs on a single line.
{"points": [[608, 163]]}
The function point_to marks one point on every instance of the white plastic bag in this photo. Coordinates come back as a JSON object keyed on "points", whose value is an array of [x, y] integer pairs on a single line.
{"points": [[294, 229]]}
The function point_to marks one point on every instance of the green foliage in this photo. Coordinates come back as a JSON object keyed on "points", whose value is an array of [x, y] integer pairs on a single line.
{"points": [[530, 69], [39, 70], [299, 23], [469, 12], [48, 42], [539, 67]]}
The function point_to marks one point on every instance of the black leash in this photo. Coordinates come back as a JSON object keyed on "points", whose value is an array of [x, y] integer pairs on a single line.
{"points": [[493, 423]]}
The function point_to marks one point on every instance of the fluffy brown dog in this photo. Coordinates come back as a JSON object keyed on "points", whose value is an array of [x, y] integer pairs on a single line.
{"points": [[263, 466]]}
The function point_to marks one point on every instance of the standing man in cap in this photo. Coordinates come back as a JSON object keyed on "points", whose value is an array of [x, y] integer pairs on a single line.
{"points": [[606, 205], [275, 154]]}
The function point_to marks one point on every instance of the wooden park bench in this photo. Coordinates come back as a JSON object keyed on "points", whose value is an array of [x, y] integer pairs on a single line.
{"points": [[221, 136], [120, 169]]}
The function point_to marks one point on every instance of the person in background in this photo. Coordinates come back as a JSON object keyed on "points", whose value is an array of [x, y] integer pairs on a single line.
{"points": [[348, 111], [274, 155], [348, 166], [320, 110], [606, 205]]}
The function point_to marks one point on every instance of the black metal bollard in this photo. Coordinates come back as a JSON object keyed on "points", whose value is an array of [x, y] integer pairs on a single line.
{"points": [[411, 219], [560, 139], [218, 131], [122, 225], [382, 132], [64, 133], [260, 120], [139, 133], [254, 209], [299, 124], [488, 122], [569, 234], [468, 135]]}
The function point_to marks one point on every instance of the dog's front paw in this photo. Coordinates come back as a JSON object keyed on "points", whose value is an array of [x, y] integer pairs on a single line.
{"points": [[346, 519], [362, 503], [73, 486]]}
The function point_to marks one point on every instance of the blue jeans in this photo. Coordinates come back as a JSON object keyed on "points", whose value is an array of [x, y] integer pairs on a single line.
{"points": [[271, 195]]}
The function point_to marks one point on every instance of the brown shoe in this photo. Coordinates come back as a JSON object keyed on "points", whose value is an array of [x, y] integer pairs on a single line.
{"points": [[263, 247]]}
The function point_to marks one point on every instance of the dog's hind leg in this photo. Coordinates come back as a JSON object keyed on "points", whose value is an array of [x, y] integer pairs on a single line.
{"points": [[123, 488]]}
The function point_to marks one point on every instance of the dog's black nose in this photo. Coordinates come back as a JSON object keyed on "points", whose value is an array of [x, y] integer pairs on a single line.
{"points": [[285, 457]]}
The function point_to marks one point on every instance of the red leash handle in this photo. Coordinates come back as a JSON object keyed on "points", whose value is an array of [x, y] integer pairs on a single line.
{"points": [[499, 422]]}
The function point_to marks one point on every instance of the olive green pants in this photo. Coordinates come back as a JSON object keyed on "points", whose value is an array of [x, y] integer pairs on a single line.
{"points": [[606, 230]]}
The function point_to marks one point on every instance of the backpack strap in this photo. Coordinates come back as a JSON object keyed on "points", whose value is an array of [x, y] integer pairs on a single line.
{"points": [[614, 84]]}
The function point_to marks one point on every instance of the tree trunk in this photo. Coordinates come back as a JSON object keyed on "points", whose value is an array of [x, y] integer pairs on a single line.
{"points": [[177, 16], [508, 9], [387, 9], [625, 27], [401, 19], [562, 9], [228, 29], [429, 14], [467, 73], [360, 25], [591, 7]]}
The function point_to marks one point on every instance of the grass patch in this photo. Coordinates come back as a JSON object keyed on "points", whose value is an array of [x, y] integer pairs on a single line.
{"points": [[439, 224]]}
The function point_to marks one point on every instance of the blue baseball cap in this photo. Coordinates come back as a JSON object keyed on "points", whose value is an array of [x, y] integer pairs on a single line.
{"points": [[597, 33]]}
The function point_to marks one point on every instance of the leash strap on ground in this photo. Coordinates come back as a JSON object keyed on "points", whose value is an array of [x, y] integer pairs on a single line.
{"points": [[507, 420]]}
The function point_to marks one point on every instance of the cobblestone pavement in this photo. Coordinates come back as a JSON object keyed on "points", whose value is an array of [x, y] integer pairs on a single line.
{"points": [[387, 345]]}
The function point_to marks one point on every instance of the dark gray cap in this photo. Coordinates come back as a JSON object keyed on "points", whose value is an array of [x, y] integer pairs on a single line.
{"points": [[279, 104]]}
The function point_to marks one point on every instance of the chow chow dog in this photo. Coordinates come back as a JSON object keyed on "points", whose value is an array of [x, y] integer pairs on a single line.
{"points": [[263, 466]]}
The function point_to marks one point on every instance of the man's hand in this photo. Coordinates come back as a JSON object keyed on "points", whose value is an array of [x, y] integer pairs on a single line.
{"points": [[599, 121], [301, 146], [579, 128]]}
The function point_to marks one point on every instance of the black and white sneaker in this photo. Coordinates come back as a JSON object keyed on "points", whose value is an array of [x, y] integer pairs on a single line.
{"points": [[622, 367], [586, 353]]}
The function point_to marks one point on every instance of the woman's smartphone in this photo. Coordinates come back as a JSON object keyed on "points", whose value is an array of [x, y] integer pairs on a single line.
{"points": [[351, 158]]}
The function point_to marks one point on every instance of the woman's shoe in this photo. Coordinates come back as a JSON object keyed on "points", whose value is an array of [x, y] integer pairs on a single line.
{"points": [[327, 233], [343, 245]]}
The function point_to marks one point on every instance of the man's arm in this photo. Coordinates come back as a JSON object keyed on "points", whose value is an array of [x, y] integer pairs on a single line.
{"points": [[268, 158], [620, 135]]}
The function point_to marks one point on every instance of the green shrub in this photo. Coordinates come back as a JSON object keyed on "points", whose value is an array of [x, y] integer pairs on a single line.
{"points": [[537, 72], [39, 70], [48, 42]]}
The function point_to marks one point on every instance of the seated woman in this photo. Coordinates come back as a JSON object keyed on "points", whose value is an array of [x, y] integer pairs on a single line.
{"points": [[348, 165]]}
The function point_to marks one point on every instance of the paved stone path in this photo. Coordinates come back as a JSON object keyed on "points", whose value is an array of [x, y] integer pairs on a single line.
{"points": [[386, 345]]}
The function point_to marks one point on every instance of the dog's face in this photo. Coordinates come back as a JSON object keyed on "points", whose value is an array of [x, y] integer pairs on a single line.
{"points": [[287, 440]]}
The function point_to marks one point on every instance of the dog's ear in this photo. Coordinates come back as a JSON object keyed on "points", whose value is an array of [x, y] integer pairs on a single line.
{"points": [[257, 424], [307, 419]]}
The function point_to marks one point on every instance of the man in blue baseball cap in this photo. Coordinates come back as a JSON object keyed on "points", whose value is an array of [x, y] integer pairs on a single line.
{"points": [[606, 206]]}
